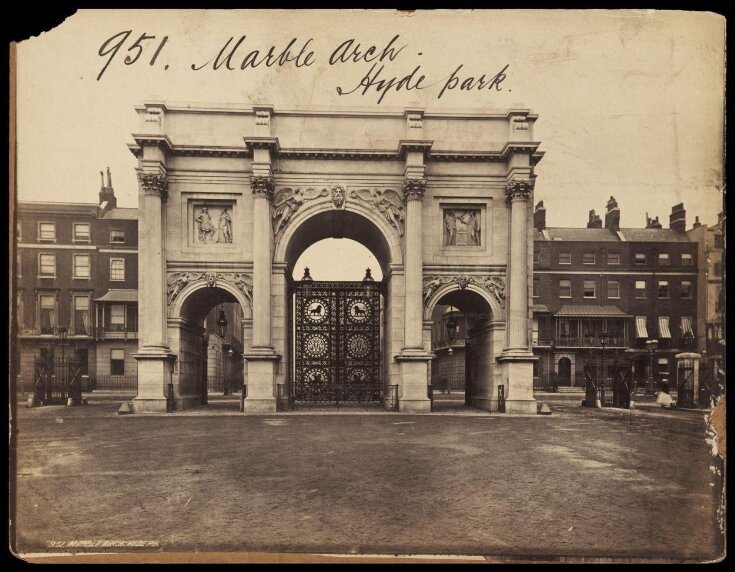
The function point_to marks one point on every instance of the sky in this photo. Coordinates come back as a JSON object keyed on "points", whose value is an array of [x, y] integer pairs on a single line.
{"points": [[630, 103]]}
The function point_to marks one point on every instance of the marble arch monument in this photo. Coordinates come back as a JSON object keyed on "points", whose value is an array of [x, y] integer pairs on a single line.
{"points": [[230, 196]]}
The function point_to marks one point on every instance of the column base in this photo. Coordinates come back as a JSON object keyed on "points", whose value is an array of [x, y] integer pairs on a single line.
{"points": [[261, 390], [414, 406], [521, 406], [517, 364], [149, 405], [414, 397], [255, 406]]}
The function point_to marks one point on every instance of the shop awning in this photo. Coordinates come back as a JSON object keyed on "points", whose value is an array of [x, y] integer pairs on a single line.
{"points": [[539, 309], [640, 327], [663, 327], [119, 295], [686, 325], [590, 311]]}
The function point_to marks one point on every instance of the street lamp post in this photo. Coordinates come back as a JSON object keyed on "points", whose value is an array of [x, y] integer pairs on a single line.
{"points": [[601, 385], [651, 346], [550, 380], [222, 324]]}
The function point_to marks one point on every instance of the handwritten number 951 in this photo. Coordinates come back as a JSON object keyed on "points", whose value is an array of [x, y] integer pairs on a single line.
{"points": [[112, 46]]}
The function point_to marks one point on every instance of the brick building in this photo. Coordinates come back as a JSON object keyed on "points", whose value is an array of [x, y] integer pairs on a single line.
{"points": [[628, 285], [77, 278]]}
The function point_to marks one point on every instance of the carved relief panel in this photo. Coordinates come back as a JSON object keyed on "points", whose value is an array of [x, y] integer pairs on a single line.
{"points": [[211, 222], [462, 226]]}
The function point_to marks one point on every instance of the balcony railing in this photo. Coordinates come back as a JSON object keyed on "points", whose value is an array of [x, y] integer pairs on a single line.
{"points": [[582, 342], [103, 334], [444, 344]]}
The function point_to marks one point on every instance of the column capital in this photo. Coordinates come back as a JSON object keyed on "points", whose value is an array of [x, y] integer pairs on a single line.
{"points": [[262, 185], [154, 184], [414, 189], [518, 190]]}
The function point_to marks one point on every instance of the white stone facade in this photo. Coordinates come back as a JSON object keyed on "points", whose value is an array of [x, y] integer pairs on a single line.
{"points": [[443, 200]]}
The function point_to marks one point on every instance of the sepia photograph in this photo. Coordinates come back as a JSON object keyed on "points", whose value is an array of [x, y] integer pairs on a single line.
{"points": [[368, 286]]}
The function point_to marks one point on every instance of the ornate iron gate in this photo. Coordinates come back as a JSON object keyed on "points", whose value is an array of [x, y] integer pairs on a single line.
{"points": [[685, 385], [57, 379], [337, 343]]}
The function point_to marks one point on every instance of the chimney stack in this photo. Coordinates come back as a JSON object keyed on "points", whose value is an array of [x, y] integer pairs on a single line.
{"points": [[696, 224], [539, 216], [108, 201], [652, 222], [595, 221], [678, 218], [612, 215]]}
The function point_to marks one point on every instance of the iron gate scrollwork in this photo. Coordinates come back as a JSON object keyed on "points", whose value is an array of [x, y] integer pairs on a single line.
{"points": [[337, 343]]}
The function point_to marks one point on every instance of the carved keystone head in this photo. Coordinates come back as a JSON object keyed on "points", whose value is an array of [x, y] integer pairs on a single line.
{"points": [[211, 279]]}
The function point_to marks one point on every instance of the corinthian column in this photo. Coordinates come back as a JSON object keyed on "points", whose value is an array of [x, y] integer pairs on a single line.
{"points": [[414, 359], [413, 191], [517, 359], [517, 194], [262, 187], [154, 358], [261, 359], [151, 278]]}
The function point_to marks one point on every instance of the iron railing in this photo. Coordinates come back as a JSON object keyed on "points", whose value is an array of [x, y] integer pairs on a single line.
{"points": [[107, 334], [391, 401], [582, 342], [128, 381], [430, 395]]}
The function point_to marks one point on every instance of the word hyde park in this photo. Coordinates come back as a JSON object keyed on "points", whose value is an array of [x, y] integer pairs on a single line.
{"points": [[237, 54]]}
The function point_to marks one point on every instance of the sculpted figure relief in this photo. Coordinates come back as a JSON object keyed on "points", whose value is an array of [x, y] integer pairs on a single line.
{"points": [[387, 202], [462, 227], [287, 201], [207, 232]]}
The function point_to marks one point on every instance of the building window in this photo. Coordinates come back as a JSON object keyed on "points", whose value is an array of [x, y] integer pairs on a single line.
{"points": [[81, 232], [613, 258], [640, 258], [663, 259], [719, 243], [686, 259], [117, 318], [47, 265], [640, 289], [565, 288], [717, 269], [663, 366], [19, 268], [535, 287], [565, 258], [663, 288], [589, 288], [589, 258], [81, 315], [81, 266], [686, 289], [117, 362], [19, 310], [47, 231], [117, 236], [613, 289], [117, 269], [47, 317], [18, 227]]}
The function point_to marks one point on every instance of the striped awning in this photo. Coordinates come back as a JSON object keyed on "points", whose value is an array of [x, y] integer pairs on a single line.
{"points": [[686, 325], [663, 327], [640, 327]]}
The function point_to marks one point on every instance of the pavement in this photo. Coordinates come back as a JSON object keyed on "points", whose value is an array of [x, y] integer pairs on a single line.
{"points": [[581, 483]]}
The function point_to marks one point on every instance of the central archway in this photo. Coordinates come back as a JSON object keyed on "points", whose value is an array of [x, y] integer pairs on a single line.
{"points": [[366, 228]]}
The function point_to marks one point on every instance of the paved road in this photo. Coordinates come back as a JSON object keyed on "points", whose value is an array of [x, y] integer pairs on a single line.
{"points": [[578, 483]]}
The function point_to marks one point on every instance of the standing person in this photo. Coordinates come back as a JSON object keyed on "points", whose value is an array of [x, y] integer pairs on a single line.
{"points": [[450, 222], [206, 228], [474, 225], [225, 226]]}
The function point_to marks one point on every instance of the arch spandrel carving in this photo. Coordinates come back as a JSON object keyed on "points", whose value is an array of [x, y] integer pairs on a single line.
{"points": [[490, 287], [180, 285]]}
